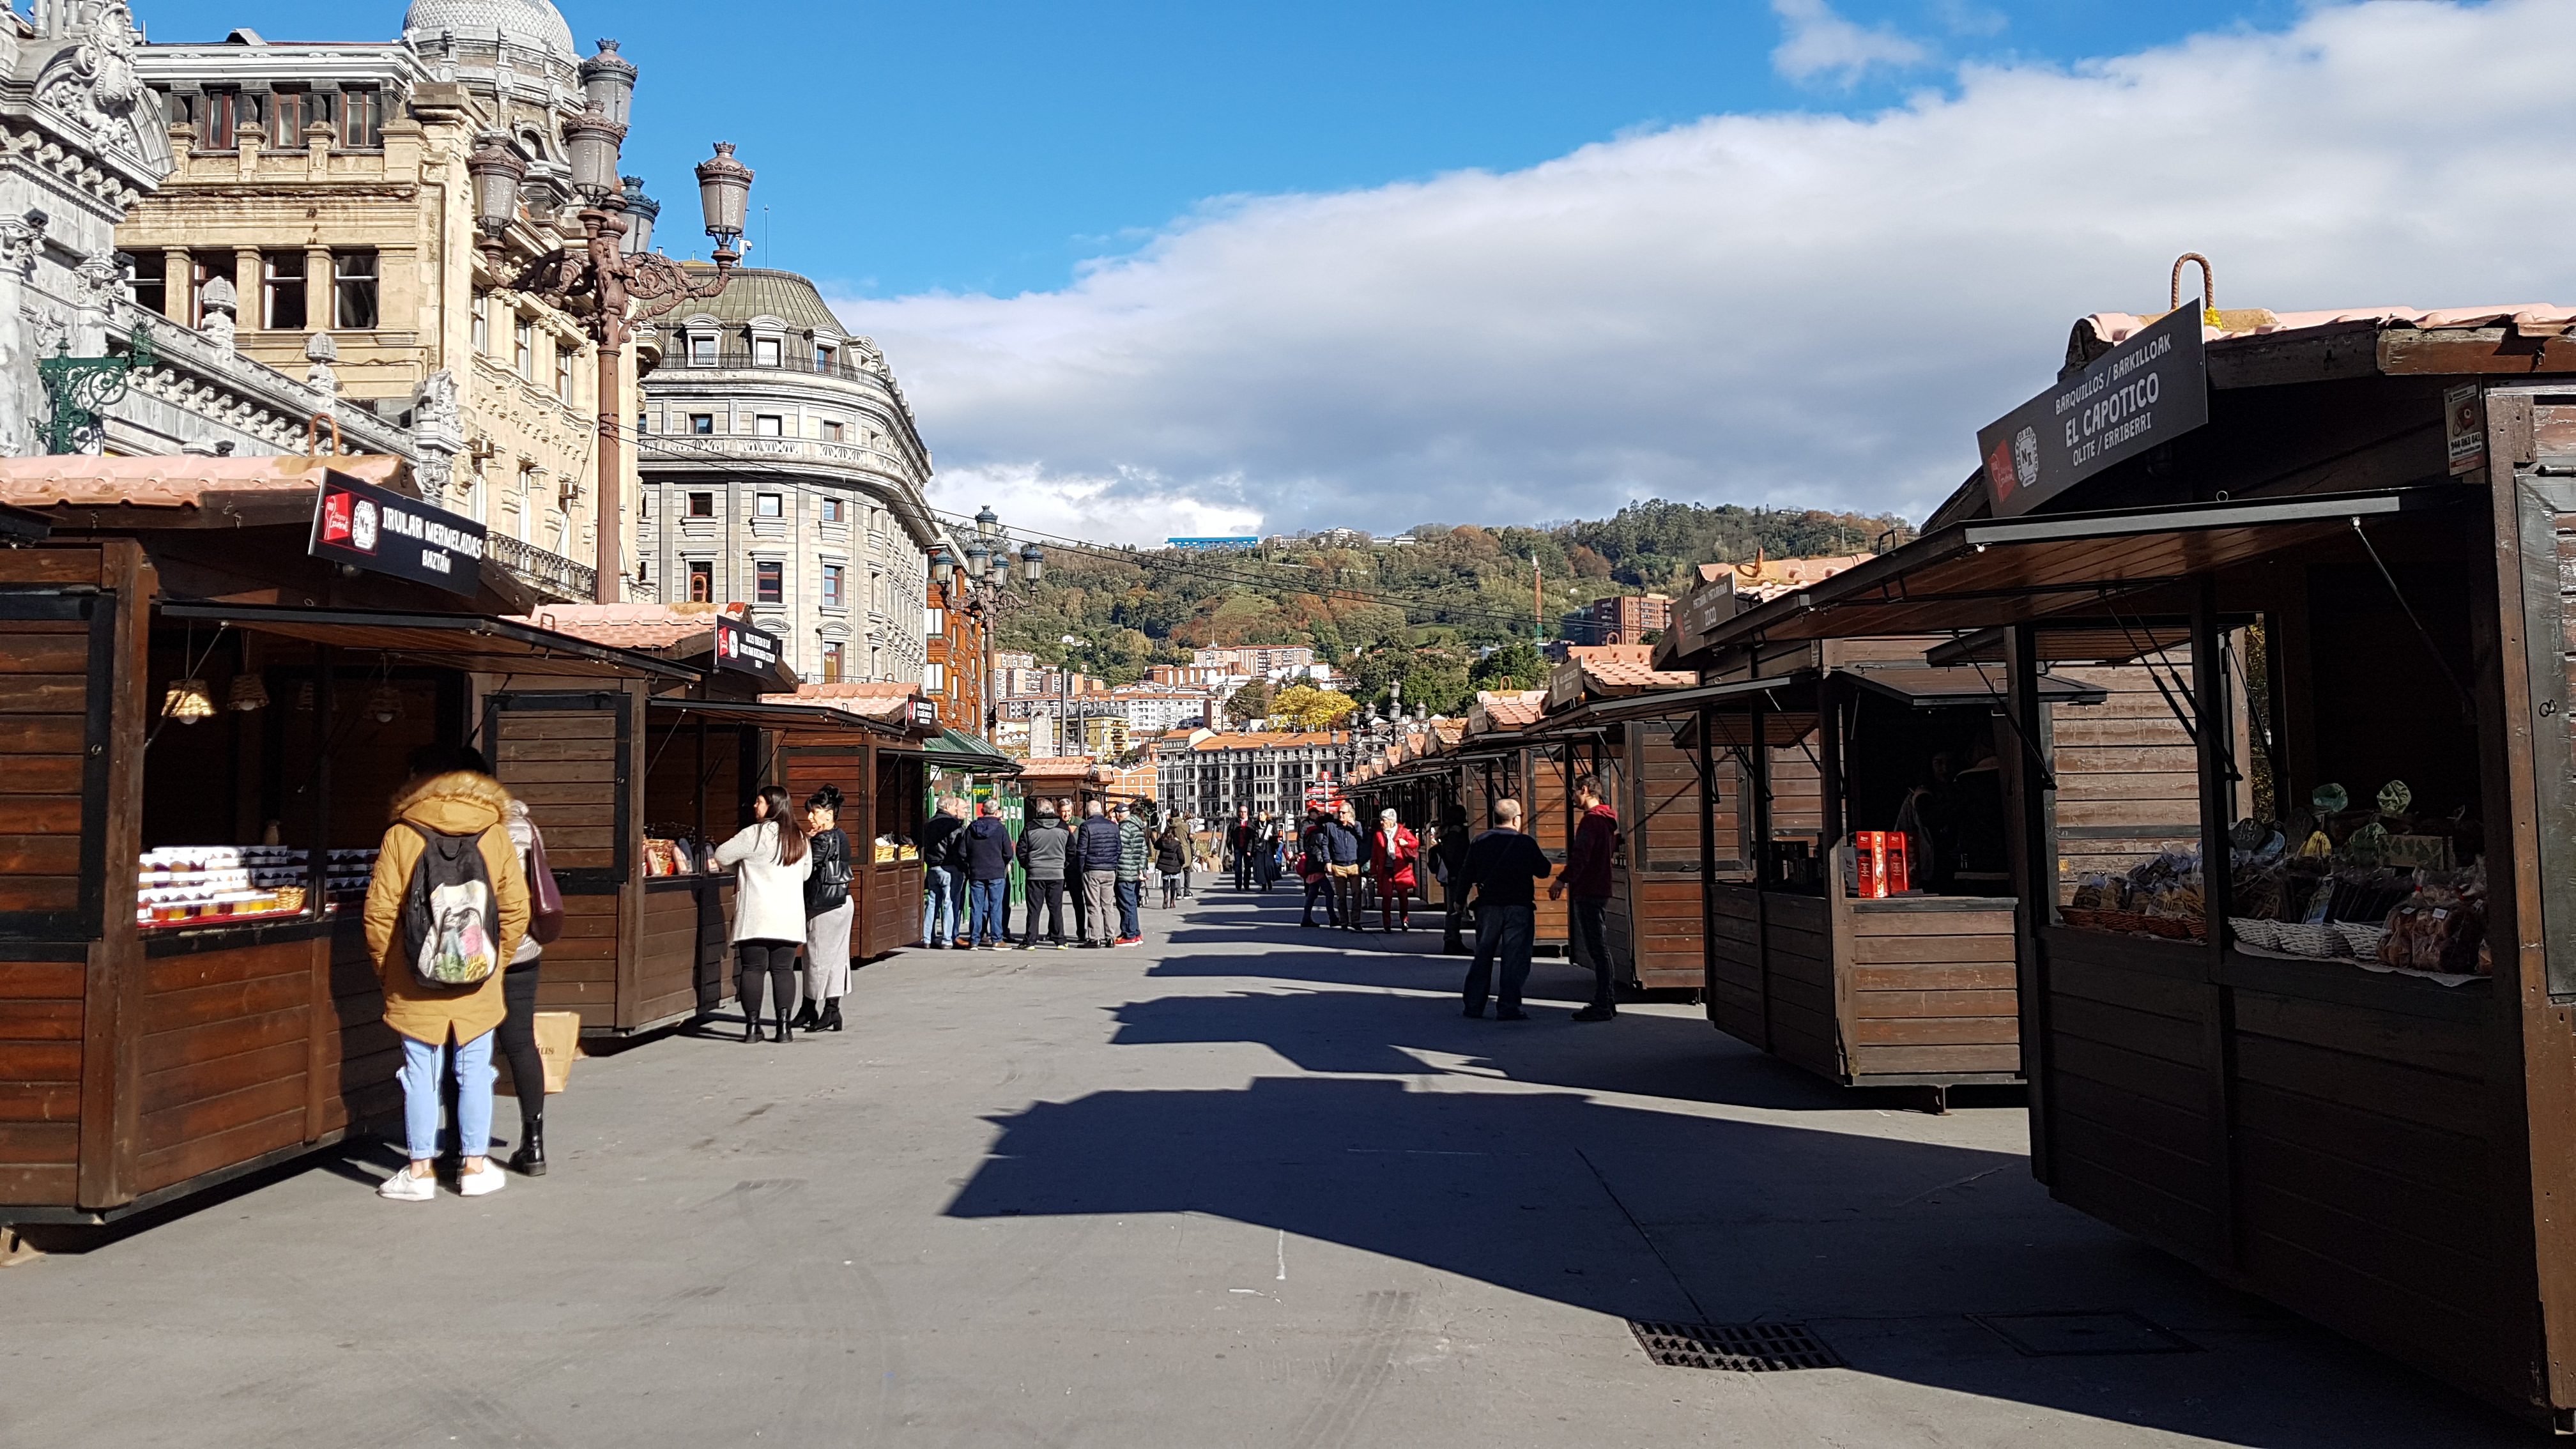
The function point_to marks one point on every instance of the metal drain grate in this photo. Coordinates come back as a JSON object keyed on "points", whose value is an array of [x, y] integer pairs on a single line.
{"points": [[1745, 1348]]}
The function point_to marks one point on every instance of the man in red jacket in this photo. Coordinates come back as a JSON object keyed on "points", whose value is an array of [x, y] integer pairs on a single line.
{"points": [[1587, 874]]}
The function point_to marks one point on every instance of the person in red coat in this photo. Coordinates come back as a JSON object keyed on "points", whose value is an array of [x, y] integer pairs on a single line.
{"points": [[1587, 875], [1393, 854]]}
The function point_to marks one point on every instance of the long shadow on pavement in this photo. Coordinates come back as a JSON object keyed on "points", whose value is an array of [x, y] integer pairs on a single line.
{"points": [[1881, 1244]]}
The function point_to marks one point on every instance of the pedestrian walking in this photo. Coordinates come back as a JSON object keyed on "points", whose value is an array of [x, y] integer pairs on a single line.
{"points": [[1504, 867], [988, 848], [1314, 868], [1265, 851], [1449, 864], [943, 875], [1096, 845], [1045, 848], [1134, 850], [1172, 860], [446, 911], [828, 913], [1239, 838], [1344, 851], [1393, 852], [516, 1037], [771, 862], [1587, 877]]}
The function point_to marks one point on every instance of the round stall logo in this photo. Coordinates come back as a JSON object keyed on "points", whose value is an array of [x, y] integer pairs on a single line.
{"points": [[2026, 457]]}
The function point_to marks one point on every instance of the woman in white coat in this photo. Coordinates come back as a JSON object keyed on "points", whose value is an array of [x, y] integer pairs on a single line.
{"points": [[770, 863]]}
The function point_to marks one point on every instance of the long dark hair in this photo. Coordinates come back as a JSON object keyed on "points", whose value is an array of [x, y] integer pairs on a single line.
{"points": [[791, 831]]}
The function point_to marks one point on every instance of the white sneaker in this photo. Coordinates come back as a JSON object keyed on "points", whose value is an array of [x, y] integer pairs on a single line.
{"points": [[475, 1184], [403, 1187]]}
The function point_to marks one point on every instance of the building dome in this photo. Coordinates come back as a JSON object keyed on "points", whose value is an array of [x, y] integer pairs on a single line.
{"points": [[532, 23]]}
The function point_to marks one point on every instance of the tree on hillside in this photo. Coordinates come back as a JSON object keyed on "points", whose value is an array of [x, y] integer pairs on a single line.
{"points": [[1517, 665], [1304, 707]]}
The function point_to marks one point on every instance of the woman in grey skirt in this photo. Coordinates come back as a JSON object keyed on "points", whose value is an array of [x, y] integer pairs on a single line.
{"points": [[828, 913]]}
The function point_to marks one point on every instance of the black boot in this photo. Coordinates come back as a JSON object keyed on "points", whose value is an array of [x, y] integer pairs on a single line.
{"points": [[805, 1017], [786, 1031], [530, 1159], [830, 1020], [750, 1004]]}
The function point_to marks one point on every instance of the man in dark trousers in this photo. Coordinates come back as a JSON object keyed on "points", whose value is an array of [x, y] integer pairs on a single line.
{"points": [[1505, 868], [1096, 846], [1587, 876], [943, 876], [1449, 857], [1046, 848], [1241, 837], [989, 849]]}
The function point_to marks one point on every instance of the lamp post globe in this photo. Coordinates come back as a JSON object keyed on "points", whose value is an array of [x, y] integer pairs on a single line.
{"points": [[640, 213], [943, 566], [496, 170], [978, 559], [724, 194], [986, 523], [592, 140], [1032, 563], [608, 84]]}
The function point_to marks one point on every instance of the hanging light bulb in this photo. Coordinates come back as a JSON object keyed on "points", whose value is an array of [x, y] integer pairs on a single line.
{"points": [[385, 704], [248, 693], [188, 701]]}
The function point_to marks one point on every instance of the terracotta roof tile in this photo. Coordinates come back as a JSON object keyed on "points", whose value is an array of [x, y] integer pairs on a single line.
{"points": [[183, 481], [628, 626], [1621, 674], [1604, 653]]}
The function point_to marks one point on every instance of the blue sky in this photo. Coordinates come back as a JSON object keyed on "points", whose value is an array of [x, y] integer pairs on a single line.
{"points": [[994, 145]]}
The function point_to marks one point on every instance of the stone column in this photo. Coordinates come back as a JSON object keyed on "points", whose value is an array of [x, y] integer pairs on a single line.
{"points": [[250, 283], [22, 397], [321, 293], [178, 284]]}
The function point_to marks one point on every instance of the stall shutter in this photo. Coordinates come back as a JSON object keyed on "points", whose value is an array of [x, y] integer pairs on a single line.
{"points": [[565, 755], [2548, 509], [57, 694]]}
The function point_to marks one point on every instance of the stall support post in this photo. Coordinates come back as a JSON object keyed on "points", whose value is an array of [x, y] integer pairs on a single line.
{"points": [[323, 1023], [1829, 769], [111, 1071], [2209, 687], [2034, 870], [1758, 795], [1707, 863]]}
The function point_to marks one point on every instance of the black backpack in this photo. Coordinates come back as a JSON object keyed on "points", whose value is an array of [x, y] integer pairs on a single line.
{"points": [[451, 919]]}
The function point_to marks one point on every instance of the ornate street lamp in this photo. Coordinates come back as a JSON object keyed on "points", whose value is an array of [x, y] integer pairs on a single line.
{"points": [[1032, 563], [978, 559], [987, 522], [613, 287], [943, 566], [641, 211], [496, 170]]}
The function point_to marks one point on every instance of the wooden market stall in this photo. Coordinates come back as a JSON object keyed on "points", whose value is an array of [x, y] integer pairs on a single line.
{"points": [[202, 726], [882, 773], [2337, 1069]]}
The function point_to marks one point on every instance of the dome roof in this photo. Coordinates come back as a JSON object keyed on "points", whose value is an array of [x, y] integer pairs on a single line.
{"points": [[529, 22]]}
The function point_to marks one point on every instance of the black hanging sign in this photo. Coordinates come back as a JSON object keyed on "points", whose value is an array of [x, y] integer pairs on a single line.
{"points": [[2146, 391], [739, 646], [377, 529]]}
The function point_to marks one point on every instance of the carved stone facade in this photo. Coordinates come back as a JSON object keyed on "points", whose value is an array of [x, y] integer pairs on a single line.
{"points": [[323, 187]]}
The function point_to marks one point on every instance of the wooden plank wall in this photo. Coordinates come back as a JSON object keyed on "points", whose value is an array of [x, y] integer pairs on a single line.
{"points": [[1545, 819], [669, 971], [40, 1075], [44, 698], [563, 764], [1799, 971], [1655, 913], [1735, 972], [1931, 991], [2127, 782], [2130, 1044], [580, 969], [226, 1057], [356, 1056]]}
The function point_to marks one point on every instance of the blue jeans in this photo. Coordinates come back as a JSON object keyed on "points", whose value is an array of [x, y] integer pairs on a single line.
{"points": [[1129, 922], [1504, 931], [938, 905], [423, 1068], [991, 918]]}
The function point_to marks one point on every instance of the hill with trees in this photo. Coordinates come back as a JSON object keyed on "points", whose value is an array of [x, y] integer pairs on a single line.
{"points": [[1428, 610]]}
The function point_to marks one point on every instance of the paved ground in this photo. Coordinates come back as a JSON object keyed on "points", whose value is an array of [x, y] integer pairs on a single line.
{"points": [[1246, 1186]]}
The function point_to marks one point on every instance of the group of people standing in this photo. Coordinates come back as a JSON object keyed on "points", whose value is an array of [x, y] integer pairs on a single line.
{"points": [[1094, 863], [791, 912]]}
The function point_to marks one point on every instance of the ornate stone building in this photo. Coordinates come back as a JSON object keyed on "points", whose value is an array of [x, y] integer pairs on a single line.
{"points": [[318, 216], [782, 470]]}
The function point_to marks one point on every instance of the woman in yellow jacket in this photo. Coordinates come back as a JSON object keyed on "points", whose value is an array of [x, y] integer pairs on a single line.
{"points": [[450, 801]]}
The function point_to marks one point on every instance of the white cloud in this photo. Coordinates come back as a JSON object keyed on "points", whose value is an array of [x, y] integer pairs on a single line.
{"points": [[1785, 309], [1816, 42]]}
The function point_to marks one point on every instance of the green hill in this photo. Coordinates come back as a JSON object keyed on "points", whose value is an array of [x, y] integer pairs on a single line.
{"points": [[1421, 610]]}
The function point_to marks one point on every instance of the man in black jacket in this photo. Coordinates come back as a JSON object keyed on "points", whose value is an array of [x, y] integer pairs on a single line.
{"points": [[1505, 868], [1242, 837], [943, 877], [988, 848]]}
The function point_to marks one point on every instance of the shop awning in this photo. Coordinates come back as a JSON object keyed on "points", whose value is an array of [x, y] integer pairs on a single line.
{"points": [[1659, 704], [1989, 572], [1780, 729], [771, 716], [459, 641], [2082, 641], [1966, 684], [956, 749]]}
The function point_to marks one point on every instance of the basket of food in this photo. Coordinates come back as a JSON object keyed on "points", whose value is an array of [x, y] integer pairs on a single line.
{"points": [[2360, 940], [2088, 917], [2320, 941], [2254, 931]]}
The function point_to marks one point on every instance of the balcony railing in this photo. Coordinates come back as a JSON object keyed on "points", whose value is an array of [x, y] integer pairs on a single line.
{"points": [[789, 361], [558, 578]]}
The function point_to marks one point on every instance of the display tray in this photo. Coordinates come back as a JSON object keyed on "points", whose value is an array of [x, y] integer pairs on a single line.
{"points": [[658, 884], [226, 936]]}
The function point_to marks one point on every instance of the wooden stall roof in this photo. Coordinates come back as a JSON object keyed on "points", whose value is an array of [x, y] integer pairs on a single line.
{"points": [[23, 525], [1739, 695], [462, 641], [1986, 572], [968, 752], [2078, 641], [1929, 688], [773, 716]]}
